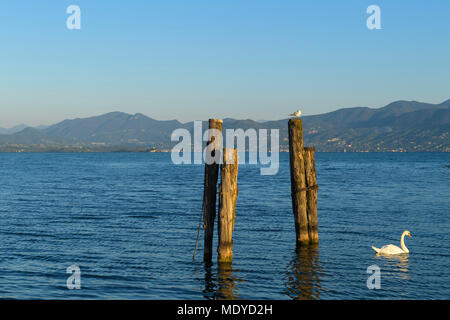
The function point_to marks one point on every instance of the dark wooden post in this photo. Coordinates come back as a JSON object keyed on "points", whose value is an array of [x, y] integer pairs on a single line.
{"points": [[298, 180], [311, 193], [228, 192], [210, 192]]}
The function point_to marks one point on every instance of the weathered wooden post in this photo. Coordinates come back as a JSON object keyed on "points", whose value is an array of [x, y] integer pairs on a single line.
{"points": [[298, 180], [228, 192], [210, 188], [311, 193]]}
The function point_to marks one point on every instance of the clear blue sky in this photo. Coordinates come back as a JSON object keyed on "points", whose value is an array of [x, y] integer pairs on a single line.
{"points": [[194, 59]]}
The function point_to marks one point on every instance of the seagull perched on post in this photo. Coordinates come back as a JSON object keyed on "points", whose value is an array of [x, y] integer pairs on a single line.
{"points": [[296, 114]]}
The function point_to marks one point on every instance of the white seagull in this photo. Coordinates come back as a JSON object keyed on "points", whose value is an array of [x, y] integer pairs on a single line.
{"points": [[296, 114]]}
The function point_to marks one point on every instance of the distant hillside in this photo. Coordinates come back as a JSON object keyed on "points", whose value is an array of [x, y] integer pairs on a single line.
{"points": [[12, 130], [399, 126], [115, 128], [18, 128]]}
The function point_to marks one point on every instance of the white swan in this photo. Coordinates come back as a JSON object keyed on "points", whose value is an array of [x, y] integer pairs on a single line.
{"points": [[391, 249]]}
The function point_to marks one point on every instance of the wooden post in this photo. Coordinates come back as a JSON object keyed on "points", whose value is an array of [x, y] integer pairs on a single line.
{"points": [[228, 192], [210, 192], [311, 193], [298, 180]]}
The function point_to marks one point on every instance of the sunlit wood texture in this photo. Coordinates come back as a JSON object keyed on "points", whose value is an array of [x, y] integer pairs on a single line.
{"points": [[311, 193], [228, 193], [298, 180]]}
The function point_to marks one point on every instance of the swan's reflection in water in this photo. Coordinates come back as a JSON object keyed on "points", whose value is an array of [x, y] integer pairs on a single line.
{"points": [[303, 274], [395, 265], [223, 285]]}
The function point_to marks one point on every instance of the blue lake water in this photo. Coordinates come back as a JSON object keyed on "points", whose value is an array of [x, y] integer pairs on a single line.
{"points": [[129, 221]]}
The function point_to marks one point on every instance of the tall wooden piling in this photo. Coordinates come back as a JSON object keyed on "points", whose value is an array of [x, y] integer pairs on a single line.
{"points": [[311, 193], [210, 191], [298, 180], [228, 192]]}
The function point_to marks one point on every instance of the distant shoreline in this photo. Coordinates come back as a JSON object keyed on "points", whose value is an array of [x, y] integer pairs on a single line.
{"points": [[79, 149]]}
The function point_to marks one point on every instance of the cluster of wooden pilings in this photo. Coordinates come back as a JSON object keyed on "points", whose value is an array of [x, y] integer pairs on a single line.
{"points": [[303, 185], [228, 192], [303, 191]]}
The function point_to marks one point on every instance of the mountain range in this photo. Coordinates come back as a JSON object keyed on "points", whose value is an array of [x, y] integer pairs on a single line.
{"points": [[399, 126]]}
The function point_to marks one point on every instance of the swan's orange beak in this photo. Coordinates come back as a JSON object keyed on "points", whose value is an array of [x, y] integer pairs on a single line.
{"points": [[409, 235]]}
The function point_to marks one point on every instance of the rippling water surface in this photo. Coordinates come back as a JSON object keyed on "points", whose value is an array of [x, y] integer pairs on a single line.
{"points": [[129, 220]]}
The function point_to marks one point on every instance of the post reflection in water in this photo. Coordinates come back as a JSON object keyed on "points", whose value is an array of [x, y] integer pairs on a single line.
{"points": [[222, 286], [303, 274]]}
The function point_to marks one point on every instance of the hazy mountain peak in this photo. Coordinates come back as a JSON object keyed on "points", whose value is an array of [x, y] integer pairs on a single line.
{"points": [[13, 129], [400, 107], [28, 130], [140, 116]]}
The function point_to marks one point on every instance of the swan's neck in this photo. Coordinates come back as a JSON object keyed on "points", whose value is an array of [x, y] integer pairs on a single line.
{"points": [[402, 243]]}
